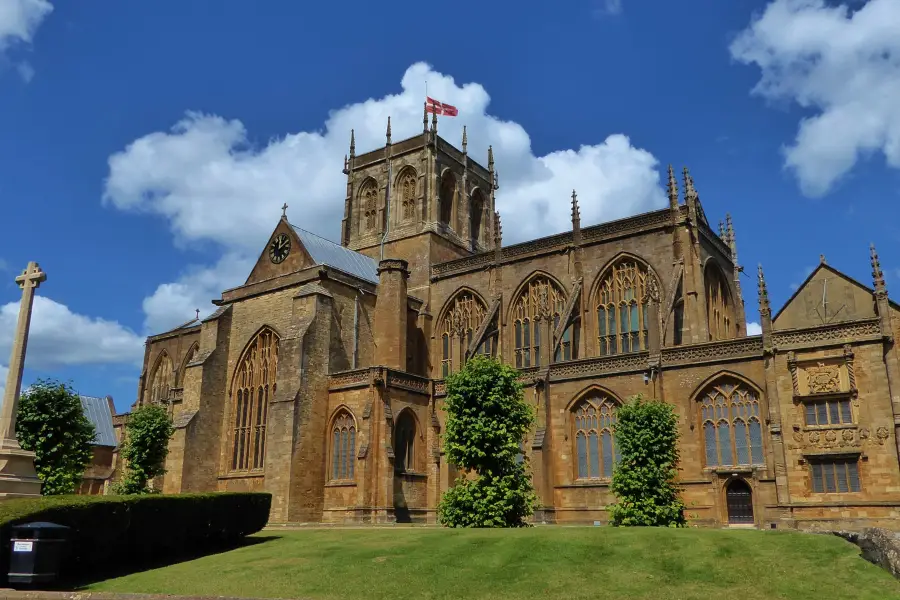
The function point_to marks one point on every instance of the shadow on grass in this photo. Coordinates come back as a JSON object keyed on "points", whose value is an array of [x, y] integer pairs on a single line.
{"points": [[80, 581]]}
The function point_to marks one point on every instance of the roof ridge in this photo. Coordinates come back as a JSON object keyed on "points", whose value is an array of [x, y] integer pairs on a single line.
{"points": [[320, 237]]}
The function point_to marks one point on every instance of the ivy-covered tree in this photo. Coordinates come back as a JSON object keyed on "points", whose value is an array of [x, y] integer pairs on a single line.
{"points": [[487, 419], [146, 446], [51, 423], [644, 480]]}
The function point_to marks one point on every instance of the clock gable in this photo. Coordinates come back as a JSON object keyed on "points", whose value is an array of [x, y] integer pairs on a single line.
{"points": [[296, 258], [826, 297]]}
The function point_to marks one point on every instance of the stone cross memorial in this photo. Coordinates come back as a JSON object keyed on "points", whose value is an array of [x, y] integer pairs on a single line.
{"points": [[17, 474]]}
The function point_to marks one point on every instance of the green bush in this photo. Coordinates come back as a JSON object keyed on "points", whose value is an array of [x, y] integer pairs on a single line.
{"points": [[109, 533], [644, 480], [145, 448], [487, 419]]}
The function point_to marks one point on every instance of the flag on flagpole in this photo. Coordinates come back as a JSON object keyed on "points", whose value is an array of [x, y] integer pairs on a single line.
{"points": [[439, 108]]}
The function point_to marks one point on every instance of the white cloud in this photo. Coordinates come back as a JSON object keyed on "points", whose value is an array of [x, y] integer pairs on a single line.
{"points": [[19, 20], [211, 184], [754, 329], [59, 337], [603, 8], [841, 65]]}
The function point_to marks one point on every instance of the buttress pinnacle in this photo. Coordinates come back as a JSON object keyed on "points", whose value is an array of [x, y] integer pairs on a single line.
{"points": [[672, 189]]}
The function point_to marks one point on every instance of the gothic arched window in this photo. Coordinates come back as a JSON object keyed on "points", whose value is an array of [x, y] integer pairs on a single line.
{"points": [[405, 443], [406, 188], [729, 416], [254, 386], [448, 199], [475, 216], [461, 320], [621, 308], [368, 195], [162, 381], [343, 446], [678, 316], [595, 440], [541, 301], [719, 309]]}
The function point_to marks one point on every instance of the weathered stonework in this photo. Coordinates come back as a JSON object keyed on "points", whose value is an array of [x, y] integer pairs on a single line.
{"points": [[339, 417]]}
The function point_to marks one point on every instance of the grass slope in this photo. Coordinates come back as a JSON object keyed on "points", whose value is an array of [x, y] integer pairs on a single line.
{"points": [[544, 562]]}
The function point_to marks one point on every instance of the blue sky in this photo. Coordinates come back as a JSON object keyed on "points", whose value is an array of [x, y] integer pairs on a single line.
{"points": [[146, 147]]}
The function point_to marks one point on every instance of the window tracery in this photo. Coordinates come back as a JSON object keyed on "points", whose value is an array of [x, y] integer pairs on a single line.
{"points": [[595, 440], [162, 381], [407, 190], [369, 200], [541, 301], [254, 386], [460, 323], [622, 307], [732, 432], [343, 446], [719, 309]]}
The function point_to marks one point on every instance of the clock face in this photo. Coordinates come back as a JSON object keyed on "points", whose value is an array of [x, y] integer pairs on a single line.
{"points": [[279, 248]]}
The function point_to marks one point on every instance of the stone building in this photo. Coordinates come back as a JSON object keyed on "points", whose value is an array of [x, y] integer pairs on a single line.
{"points": [[320, 379], [101, 470]]}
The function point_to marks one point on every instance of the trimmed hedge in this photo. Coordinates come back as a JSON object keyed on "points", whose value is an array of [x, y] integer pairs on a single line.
{"points": [[110, 533]]}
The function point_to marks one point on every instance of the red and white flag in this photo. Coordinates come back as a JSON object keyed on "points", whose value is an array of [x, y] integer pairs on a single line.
{"points": [[439, 108]]}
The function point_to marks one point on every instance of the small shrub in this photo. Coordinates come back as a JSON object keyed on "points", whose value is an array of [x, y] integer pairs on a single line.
{"points": [[487, 419], [146, 446], [644, 480], [51, 423], [109, 533]]}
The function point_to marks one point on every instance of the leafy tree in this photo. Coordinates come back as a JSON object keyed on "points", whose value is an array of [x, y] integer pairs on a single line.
{"points": [[51, 423], [487, 419], [146, 446], [644, 480]]}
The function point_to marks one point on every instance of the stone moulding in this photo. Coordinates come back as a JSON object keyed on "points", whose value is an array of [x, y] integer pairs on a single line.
{"points": [[555, 243], [838, 334], [360, 378], [349, 379], [408, 382], [619, 363], [737, 348]]}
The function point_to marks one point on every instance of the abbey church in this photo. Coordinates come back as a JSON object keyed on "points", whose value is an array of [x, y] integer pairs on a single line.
{"points": [[321, 378]]}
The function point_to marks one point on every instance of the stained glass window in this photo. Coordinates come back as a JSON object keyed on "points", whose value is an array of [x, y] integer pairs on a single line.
{"points": [[732, 432], [621, 310], [254, 386], [343, 446], [595, 444]]}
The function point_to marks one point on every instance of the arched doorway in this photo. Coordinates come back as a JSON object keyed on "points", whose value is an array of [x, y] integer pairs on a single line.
{"points": [[739, 499]]}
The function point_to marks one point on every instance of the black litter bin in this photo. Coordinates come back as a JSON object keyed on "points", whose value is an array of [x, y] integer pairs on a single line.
{"points": [[36, 552]]}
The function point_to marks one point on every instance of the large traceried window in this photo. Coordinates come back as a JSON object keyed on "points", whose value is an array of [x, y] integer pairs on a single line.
{"points": [[621, 308], [407, 191], [368, 195], [719, 309], [461, 321], [343, 446], [162, 381], [405, 443], [540, 302], [595, 443], [732, 432], [254, 386]]}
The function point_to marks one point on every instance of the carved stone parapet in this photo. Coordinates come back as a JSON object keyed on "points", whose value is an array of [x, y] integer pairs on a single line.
{"points": [[349, 379], [407, 381], [713, 351], [590, 367], [837, 333]]}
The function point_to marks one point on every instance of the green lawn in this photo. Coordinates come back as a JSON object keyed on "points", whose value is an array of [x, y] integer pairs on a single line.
{"points": [[543, 562]]}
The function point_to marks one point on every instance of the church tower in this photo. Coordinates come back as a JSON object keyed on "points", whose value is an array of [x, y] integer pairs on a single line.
{"points": [[420, 199]]}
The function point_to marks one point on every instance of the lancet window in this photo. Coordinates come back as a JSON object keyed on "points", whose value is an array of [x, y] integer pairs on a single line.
{"points": [[541, 302], [405, 443], [595, 440], [719, 309], [343, 446], [369, 200], [254, 386], [476, 215], [729, 417], [622, 308], [407, 190], [448, 199], [162, 381]]}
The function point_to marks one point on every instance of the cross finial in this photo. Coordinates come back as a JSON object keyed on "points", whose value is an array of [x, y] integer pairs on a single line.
{"points": [[197, 311], [31, 277], [284, 208], [672, 189]]}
